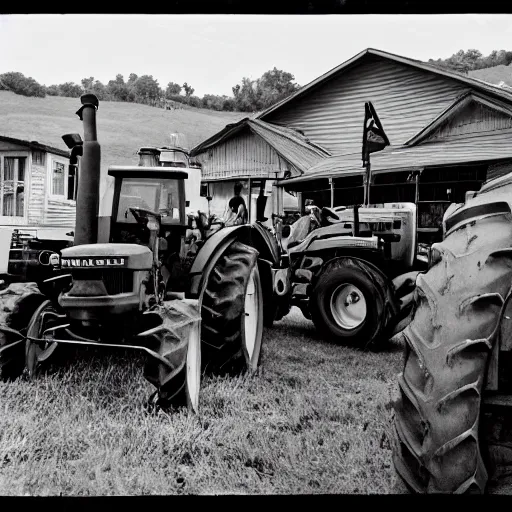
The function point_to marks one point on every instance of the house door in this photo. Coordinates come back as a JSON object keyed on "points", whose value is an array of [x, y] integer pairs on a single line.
{"points": [[12, 187]]}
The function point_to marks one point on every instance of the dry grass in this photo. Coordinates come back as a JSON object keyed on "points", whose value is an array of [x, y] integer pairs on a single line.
{"points": [[122, 127], [315, 419]]}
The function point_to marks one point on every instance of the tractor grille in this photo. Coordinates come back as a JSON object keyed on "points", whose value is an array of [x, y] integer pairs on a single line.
{"points": [[116, 280]]}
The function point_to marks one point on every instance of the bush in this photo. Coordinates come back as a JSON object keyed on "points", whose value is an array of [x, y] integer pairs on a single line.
{"points": [[20, 84]]}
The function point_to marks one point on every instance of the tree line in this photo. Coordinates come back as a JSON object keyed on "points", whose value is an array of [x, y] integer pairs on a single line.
{"points": [[464, 61], [248, 96]]}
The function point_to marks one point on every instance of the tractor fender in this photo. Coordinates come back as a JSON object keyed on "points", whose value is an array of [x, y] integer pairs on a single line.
{"points": [[253, 235], [265, 243], [210, 253]]}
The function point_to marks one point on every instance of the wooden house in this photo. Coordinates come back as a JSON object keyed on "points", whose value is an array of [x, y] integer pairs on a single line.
{"points": [[448, 133], [36, 189]]}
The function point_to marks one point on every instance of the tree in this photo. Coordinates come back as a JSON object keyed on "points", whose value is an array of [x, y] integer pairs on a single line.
{"points": [[87, 83], [276, 85], [172, 90], [273, 86], [53, 90], [70, 89], [464, 61], [189, 90], [20, 84], [146, 89], [117, 89]]}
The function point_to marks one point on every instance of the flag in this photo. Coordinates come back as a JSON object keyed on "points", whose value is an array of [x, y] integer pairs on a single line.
{"points": [[374, 138]]}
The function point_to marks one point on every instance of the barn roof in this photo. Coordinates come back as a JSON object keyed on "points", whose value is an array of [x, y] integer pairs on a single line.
{"points": [[33, 144], [477, 84], [288, 143], [463, 149]]}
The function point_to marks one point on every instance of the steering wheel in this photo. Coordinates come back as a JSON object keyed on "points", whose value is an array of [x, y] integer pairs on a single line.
{"points": [[141, 214]]}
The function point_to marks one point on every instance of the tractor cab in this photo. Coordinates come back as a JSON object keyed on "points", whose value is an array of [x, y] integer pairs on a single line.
{"points": [[139, 190]]}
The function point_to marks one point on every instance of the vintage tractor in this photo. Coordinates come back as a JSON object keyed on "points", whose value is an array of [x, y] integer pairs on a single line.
{"points": [[453, 416], [190, 305], [338, 265]]}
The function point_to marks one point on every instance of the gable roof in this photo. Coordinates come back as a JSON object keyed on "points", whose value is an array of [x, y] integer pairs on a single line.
{"points": [[456, 107], [33, 144], [479, 85], [288, 143]]}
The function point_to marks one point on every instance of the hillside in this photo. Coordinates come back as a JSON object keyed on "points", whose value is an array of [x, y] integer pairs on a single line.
{"points": [[494, 75], [122, 127]]}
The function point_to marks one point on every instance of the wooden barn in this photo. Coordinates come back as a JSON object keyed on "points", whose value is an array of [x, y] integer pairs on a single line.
{"points": [[448, 133], [36, 190]]}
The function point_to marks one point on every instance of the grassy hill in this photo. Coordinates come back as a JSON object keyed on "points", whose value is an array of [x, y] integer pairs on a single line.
{"points": [[122, 127], [494, 75]]}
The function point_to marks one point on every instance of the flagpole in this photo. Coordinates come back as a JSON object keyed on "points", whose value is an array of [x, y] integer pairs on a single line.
{"points": [[368, 182]]}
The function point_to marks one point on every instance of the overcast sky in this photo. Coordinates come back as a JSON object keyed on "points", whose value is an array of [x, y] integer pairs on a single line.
{"points": [[213, 53]]}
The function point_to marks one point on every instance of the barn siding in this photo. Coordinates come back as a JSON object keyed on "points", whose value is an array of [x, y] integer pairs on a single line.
{"points": [[405, 98], [244, 154], [474, 118], [35, 206]]}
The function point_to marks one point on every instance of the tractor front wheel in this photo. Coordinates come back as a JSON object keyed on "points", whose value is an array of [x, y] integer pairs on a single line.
{"points": [[44, 318], [348, 303]]}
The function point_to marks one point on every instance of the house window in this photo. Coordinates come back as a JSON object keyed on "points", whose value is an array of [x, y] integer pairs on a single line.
{"points": [[13, 186], [58, 179], [38, 157], [63, 181]]}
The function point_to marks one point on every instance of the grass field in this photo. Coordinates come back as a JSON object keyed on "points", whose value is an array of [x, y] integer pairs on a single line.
{"points": [[314, 419], [122, 127]]}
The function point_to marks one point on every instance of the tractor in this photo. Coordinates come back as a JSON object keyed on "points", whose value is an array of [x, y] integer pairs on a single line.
{"points": [[346, 268], [453, 413], [140, 281]]}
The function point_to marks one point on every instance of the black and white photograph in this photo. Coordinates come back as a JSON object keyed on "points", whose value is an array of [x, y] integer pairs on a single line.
{"points": [[255, 253]]}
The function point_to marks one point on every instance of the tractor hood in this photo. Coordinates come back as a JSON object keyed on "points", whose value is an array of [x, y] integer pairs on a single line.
{"points": [[132, 256]]}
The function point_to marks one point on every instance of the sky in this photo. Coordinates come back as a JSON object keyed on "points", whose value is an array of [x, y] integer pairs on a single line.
{"points": [[213, 53]]}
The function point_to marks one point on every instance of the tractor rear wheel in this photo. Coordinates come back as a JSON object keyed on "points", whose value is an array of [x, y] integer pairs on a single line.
{"points": [[348, 303], [17, 305], [459, 305], [232, 312]]}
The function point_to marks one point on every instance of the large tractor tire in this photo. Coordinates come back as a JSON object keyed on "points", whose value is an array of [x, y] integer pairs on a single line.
{"points": [[172, 331], [229, 339], [232, 313], [17, 304], [348, 303], [459, 305]]}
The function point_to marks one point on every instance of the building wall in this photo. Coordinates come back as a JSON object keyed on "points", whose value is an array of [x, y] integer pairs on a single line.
{"points": [[474, 118], [245, 154], [40, 208], [406, 99], [36, 196], [58, 211]]}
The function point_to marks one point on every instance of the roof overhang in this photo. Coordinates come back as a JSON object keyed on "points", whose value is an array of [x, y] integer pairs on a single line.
{"points": [[476, 149], [33, 144]]}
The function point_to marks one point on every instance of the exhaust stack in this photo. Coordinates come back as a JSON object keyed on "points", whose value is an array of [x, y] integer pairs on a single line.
{"points": [[88, 191]]}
